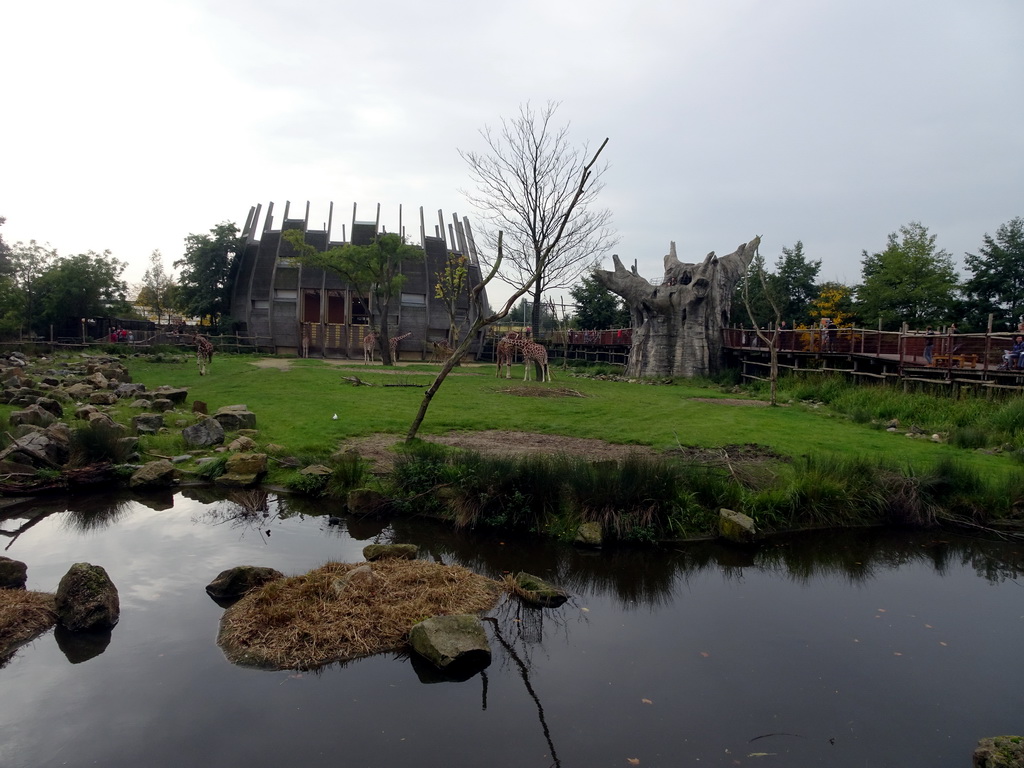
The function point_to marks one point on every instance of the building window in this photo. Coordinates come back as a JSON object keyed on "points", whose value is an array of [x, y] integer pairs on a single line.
{"points": [[414, 299], [260, 304], [286, 294]]}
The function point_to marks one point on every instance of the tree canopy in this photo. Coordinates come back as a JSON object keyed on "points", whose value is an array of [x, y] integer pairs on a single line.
{"points": [[911, 281], [525, 183], [85, 285], [207, 273], [996, 282], [597, 308]]}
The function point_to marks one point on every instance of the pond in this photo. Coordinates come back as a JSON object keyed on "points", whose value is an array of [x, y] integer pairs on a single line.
{"points": [[865, 648]]}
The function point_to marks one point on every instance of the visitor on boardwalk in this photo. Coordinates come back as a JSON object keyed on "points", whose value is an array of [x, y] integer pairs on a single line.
{"points": [[1017, 353], [929, 345]]}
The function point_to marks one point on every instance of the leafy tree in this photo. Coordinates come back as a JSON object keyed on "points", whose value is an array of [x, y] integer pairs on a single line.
{"points": [[910, 281], [451, 283], [158, 288], [597, 308], [86, 285], [208, 273], [758, 293], [525, 184], [5, 252], [27, 264], [834, 300], [996, 284], [374, 270], [795, 283]]}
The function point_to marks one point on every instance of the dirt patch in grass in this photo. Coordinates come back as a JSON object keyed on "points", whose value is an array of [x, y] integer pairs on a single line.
{"points": [[747, 453], [23, 617], [525, 390], [304, 622], [378, 448], [730, 401]]}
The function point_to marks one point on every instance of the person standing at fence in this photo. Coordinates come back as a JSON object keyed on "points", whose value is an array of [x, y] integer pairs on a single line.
{"points": [[929, 345]]}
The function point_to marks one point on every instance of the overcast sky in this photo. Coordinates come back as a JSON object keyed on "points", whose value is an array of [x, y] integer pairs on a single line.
{"points": [[129, 125]]}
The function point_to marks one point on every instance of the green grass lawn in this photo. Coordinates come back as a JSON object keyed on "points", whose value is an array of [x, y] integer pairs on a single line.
{"points": [[294, 408]]}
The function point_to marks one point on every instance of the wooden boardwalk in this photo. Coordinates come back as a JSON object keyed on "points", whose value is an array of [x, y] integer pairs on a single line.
{"points": [[974, 360]]}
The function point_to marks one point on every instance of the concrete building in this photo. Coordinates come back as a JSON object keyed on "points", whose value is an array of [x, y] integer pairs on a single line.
{"points": [[278, 299]]}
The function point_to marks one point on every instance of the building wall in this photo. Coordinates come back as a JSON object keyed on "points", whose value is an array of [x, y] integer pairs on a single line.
{"points": [[279, 299]]}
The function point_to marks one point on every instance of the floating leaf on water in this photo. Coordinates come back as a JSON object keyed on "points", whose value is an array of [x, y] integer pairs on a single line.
{"points": [[633, 760], [646, 701]]}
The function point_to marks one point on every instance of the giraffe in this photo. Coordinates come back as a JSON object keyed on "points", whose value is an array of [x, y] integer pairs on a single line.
{"points": [[505, 354], [204, 352], [370, 343], [532, 352], [440, 351]]}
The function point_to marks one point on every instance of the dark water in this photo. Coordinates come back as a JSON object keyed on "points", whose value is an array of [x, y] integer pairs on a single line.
{"points": [[861, 649]]}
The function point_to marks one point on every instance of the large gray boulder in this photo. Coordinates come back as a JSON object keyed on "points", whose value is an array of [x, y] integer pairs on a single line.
{"points": [[35, 415], [87, 599], [206, 432], [448, 641], [176, 395], [235, 417], [13, 573], [235, 582], [148, 423]]}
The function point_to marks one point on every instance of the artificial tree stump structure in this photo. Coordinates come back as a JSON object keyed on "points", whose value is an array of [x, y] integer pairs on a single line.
{"points": [[677, 325]]}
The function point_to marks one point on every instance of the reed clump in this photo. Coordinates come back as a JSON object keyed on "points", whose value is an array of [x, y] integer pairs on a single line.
{"points": [[307, 621], [24, 615]]}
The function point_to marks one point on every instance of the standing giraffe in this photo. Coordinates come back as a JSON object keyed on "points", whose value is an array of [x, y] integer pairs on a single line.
{"points": [[505, 353], [370, 343], [532, 352], [204, 352]]}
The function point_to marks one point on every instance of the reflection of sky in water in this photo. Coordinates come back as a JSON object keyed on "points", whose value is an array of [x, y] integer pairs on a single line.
{"points": [[908, 666]]}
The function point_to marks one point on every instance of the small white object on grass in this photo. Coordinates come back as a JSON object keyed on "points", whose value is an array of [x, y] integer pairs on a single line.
{"points": [[334, 417]]}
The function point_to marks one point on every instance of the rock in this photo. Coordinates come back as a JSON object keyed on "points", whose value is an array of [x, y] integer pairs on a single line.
{"points": [[13, 573], [537, 592], [129, 390], [102, 398], [198, 406], [141, 403], [237, 479], [316, 469], [161, 404], [235, 582], [448, 641], [176, 395], [233, 417], [86, 599], [360, 578], [274, 449], [242, 443], [148, 423], [39, 449], [154, 474], [206, 432], [34, 415], [589, 535], [79, 391], [390, 552], [364, 501], [97, 381], [736, 527], [999, 752], [83, 412], [50, 405], [246, 463]]}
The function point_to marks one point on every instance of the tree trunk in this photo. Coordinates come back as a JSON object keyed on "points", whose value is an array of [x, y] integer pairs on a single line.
{"points": [[677, 325]]}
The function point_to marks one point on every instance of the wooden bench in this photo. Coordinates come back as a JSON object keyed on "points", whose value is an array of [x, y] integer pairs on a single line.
{"points": [[954, 361]]}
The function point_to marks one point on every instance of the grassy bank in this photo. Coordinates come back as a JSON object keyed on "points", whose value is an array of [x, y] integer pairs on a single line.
{"points": [[834, 462]]}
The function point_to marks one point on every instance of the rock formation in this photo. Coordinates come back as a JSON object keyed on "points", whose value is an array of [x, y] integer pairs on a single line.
{"points": [[677, 324]]}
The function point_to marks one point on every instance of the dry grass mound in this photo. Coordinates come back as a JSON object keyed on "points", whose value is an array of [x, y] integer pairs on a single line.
{"points": [[303, 622], [23, 616], [523, 390]]}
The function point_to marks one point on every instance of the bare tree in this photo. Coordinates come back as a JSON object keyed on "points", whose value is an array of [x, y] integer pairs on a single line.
{"points": [[476, 295], [526, 189], [769, 338]]}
